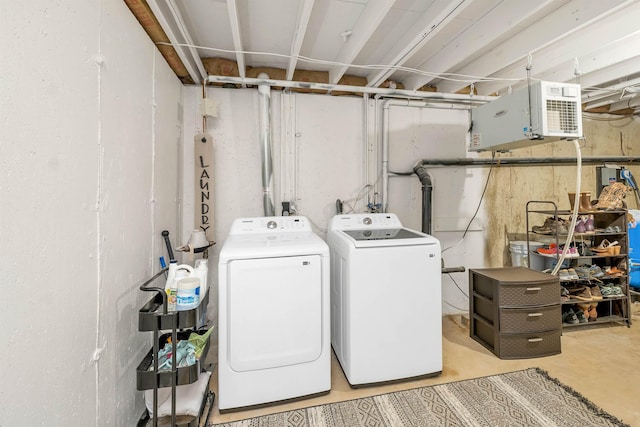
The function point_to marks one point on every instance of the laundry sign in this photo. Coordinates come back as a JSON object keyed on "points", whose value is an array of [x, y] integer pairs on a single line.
{"points": [[203, 174]]}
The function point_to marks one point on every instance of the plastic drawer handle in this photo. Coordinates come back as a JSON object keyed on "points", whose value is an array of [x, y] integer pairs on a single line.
{"points": [[534, 314], [535, 339], [533, 289]]}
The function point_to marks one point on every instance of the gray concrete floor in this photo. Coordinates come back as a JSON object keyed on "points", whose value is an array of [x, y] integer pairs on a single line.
{"points": [[601, 363]]}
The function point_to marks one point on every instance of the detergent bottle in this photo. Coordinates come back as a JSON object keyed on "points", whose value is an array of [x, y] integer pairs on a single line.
{"points": [[175, 273]]}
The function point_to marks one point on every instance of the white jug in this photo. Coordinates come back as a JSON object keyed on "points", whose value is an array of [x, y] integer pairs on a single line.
{"points": [[171, 286]]}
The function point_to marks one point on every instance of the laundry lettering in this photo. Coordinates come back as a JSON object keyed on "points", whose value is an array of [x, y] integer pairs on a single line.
{"points": [[203, 184]]}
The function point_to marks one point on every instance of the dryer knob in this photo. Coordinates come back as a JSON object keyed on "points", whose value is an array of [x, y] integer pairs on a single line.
{"points": [[271, 225], [367, 220]]}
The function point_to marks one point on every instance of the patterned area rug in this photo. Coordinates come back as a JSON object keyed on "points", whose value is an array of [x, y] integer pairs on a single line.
{"points": [[523, 398]]}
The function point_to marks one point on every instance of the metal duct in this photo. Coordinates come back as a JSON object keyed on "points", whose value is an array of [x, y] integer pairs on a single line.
{"points": [[265, 138]]}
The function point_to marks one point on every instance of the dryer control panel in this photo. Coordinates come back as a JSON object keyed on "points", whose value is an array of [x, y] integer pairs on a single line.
{"points": [[365, 221], [270, 224]]}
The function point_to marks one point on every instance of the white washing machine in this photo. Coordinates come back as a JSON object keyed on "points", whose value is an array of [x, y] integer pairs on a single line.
{"points": [[274, 315], [386, 313]]}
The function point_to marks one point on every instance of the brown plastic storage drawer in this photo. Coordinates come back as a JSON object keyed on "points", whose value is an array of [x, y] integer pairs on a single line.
{"points": [[519, 346], [515, 312], [529, 294], [530, 319], [515, 286]]}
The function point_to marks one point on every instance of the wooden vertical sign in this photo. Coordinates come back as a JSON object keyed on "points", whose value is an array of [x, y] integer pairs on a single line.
{"points": [[203, 174]]}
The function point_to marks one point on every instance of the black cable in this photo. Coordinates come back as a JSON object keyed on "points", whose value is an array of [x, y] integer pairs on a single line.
{"points": [[457, 286], [454, 306], [486, 184]]}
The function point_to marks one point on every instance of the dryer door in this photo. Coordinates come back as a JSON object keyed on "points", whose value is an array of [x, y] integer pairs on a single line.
{"points": [[274, 311]]}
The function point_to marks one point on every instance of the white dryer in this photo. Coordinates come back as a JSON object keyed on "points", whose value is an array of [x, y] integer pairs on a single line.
{"points": [[274, 316], [386, 292]]}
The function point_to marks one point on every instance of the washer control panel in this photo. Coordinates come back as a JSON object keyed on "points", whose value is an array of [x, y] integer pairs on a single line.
{"points": [[273, 224], [366, 220]]}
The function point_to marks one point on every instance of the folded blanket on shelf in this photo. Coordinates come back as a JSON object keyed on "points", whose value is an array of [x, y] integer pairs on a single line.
{"points": [[188, 398]]}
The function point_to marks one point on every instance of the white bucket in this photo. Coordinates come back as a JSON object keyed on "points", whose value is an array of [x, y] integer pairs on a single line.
{"points": [[518, 251], [188, 296]]}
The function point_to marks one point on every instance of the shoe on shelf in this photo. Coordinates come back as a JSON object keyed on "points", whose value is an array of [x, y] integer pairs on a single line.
{"points": [[604, 247], [581, 316], [606, 291], [581, 227], [573, 275], [564, 274], [596, 295], [616, 291], [590, 224], [622, 265], [583, 295], [593, 312], [614, 272], [570, 317], [552, 249], [596, 271], [584, 308], [552, 226]]}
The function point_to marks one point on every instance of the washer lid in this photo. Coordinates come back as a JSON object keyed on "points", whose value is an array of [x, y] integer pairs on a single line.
{"points": [[370, 238], [383, 234]]}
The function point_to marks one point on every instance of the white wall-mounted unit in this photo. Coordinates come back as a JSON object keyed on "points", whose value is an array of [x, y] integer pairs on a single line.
{"points": [[538, 113]]}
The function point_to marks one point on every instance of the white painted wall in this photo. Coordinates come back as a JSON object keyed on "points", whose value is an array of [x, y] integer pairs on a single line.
{"points": [[321, 154], [417, 133], [89, 150]]}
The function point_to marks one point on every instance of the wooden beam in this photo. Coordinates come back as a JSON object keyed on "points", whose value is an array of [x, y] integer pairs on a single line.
{"points": [[148, 21], [170, 26]]}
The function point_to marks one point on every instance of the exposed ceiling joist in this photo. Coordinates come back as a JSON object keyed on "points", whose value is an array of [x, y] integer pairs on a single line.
{"points": [[357, 37], [490, 28], [632, 103], [419, 42], [612, 94], [177, 35], [615, 73], [184, 33], [579, 42], [304, 13], [237, 37], [545, 31], [432, 21], [601, 61]]}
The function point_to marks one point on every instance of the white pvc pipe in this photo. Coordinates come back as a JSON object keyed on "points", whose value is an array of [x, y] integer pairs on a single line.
{"points": [[265, 138], [433, 96]]}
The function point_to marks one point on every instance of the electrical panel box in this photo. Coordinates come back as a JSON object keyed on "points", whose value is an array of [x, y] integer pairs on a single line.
{"points": [[606, 176], [539, 113]]}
